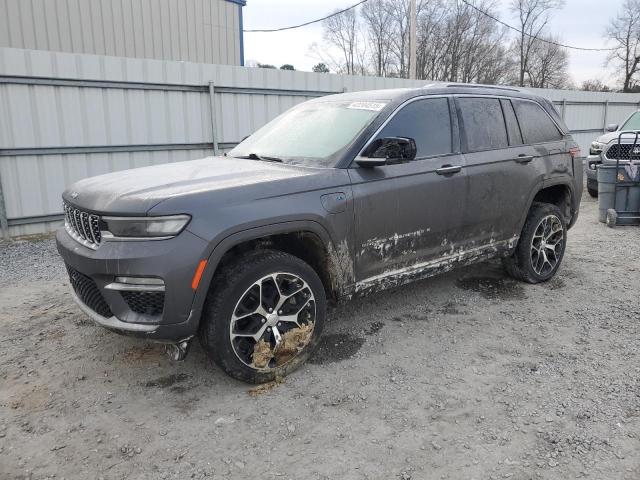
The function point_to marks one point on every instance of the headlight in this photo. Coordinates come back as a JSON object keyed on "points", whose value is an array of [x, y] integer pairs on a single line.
{"points": [[146, 227], [596, 148]]}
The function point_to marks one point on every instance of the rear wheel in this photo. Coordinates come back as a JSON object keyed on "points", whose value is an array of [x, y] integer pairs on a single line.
{"points": [[541, 246], [264, 316], [592, 191]]}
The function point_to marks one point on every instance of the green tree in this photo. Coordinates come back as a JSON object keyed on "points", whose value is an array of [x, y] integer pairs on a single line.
{"points": [[320, 68], [287, 66]]}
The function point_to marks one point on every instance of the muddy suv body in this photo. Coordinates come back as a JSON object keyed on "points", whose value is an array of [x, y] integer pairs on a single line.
{"points": [[341, 196]]}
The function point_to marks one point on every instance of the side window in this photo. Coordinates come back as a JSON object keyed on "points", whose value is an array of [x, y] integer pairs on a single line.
{"points": [[427, 121], [535, 123], [513, 129], [483, 123]]}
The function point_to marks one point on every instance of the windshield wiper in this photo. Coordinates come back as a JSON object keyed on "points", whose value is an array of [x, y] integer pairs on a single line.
{"points": [[255, 156]]}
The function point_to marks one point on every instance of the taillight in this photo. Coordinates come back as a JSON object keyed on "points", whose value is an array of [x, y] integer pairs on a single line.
{"points": [[574, 152]]}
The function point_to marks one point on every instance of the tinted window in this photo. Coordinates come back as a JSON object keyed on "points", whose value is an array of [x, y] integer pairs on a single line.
{"points": [[535, 124], [426, 121], [513, 129], [483, 123]]}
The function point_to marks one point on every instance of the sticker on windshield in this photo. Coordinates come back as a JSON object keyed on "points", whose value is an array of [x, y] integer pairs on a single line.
{"points": [[374, 106]]}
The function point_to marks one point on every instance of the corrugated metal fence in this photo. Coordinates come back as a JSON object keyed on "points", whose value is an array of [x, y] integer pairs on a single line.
{"points": [[65, 116]]}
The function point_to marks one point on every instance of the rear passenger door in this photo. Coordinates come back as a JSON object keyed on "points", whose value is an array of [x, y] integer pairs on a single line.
{"points": [[500, 169], [547, 141]]}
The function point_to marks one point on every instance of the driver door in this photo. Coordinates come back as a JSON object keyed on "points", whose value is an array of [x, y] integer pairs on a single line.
{"points": [[409, 213]]}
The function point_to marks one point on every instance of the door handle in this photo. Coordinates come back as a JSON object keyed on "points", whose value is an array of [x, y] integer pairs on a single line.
{"points": [[524, 158], [448, 169]]}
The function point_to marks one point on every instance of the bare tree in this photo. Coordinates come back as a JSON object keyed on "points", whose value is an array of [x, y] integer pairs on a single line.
{"points": [[533, 18], [460, 44], [624, 31], [376, 16], [594, 85], [547, 64], [341, 31], [455, 41]]}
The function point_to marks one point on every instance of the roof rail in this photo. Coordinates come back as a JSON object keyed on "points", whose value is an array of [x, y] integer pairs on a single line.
{"points": [[481, 85]]}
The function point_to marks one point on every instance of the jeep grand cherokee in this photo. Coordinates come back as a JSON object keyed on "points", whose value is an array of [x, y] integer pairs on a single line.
{"points": [[341, 196]]}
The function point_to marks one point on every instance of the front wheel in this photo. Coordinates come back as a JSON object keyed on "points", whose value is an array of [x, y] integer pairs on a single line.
{"points": [[541, 246], [264, 316]]}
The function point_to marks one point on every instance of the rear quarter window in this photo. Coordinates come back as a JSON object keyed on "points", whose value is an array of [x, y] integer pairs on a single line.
{"points": [[535, 123], [483, 123]]}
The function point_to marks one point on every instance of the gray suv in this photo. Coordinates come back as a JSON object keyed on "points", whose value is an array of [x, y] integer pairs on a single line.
{"points": [[339, 197]]}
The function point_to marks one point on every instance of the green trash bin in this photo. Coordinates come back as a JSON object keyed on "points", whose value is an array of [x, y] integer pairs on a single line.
{"points": [[618, 195]]}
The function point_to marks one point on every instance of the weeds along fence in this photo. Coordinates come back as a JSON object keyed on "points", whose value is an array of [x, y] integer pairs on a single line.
{"points": [[65, 116]]}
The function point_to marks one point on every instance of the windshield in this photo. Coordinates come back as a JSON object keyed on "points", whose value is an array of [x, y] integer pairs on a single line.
{"points": [[309, 134], [633, 123]]}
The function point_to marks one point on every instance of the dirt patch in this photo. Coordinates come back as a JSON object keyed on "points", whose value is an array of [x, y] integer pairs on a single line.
{"points": [[336, 348], [493, 288], [374, 328], [264, 388], [30, 398], [262, 354], [542, 388], [556, 283], [451, 308], [149, 352], [292, 343], [167, 381]]}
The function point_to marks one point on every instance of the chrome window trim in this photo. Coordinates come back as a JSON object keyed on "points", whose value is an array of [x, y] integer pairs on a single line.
{"points": [[392, 116]]}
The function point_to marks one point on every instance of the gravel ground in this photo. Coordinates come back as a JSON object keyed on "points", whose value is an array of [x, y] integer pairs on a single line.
{"points": [[468, 375]]}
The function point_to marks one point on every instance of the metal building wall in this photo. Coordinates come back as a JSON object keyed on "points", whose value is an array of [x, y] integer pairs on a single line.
{"points": [[68, 116], [205, 31]]}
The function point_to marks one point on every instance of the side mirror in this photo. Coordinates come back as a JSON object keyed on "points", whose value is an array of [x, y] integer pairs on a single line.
{"points": [[388, 150], [612, 127]]}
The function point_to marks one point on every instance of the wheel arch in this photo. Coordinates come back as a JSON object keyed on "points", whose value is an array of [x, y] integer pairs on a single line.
{"points": [[557, 192], [305, 239]]}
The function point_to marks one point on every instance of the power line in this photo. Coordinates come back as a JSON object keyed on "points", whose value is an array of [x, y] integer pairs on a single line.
{"points": [[306, 23], [487, 14]]}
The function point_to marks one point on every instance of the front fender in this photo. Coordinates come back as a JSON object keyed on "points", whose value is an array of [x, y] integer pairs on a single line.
{"points": [[220, 246]]}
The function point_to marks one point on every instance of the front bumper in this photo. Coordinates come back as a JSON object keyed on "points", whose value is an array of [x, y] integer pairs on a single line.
{"points": [[591, 168], [174, 261]]}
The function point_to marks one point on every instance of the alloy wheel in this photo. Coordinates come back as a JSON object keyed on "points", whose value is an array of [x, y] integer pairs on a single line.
{"points": [[273, 321], [547, 245]]}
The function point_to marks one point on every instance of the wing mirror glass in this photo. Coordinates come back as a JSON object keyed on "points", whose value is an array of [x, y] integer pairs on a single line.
{"points": [[388, 150], [612, 127]]}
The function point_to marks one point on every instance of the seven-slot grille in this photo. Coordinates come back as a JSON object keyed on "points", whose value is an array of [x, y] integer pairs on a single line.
{"points": [[623, 151], [84, 227]]}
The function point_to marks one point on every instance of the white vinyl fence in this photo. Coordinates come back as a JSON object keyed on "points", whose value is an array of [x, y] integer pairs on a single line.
{"points": [[66, 116]]}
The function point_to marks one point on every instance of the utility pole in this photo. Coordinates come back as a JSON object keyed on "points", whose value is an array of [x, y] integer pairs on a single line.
{"points": [[413, 20]]}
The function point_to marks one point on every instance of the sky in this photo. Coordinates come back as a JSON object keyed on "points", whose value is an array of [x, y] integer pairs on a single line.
{"points": [[580, 22]]}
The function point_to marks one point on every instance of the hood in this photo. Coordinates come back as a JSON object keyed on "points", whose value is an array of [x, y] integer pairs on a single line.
{"points": [[136, 191], [613, 136], [607, 137]]}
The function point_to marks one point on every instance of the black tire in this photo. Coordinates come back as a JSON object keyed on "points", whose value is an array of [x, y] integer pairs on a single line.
{"points": [[227, 290], [612, 218], [520, 264], [593, 192]]}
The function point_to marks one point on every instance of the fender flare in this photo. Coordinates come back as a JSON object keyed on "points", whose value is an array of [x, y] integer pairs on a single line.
{"points": [[218, 248], [541, 185]]}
